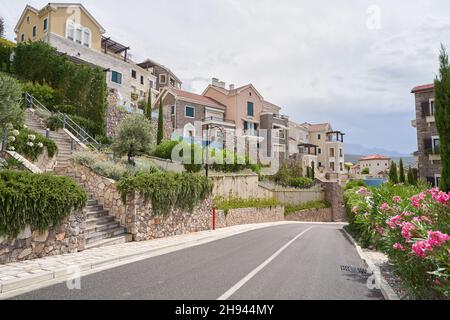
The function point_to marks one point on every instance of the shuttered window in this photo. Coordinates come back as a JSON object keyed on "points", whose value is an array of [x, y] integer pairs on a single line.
{"points": [[425, 109], [116, 77]]}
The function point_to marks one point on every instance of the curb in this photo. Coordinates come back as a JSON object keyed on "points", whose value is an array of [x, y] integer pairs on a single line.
{"points": [[386, 289]]}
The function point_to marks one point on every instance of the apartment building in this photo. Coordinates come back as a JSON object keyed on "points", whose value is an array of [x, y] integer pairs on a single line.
{"points": [[378, 165], [189, 115], [251, 113], [330, 147], [429, 158], [72, 30], [165, 78], [300, 149]]}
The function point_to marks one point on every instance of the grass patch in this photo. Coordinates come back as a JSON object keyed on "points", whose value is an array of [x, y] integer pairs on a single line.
{"points": [[290, 209], [237, 203]]}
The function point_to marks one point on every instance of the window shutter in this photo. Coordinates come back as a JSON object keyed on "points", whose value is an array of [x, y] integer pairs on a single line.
{"points": [[425, 109], [245, 125], [428, 145]]}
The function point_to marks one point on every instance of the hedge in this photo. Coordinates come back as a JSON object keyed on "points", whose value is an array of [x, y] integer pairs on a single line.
{"points": [[36, 200]]}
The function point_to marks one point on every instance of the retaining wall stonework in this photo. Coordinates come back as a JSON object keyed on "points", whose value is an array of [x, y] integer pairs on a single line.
{"points": [[67, 237], [312, 215], [249, 215], [334, 195]]}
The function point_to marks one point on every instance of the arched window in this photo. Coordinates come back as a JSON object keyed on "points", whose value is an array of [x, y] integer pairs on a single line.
{"points": [[70, 30], [87, 37], [189, 131]]}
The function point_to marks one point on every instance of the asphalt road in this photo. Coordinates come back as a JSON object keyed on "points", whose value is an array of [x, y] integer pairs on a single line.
{"points": [[281, 262]]}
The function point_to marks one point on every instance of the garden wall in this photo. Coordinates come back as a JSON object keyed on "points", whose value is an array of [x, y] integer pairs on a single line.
{"points": [[68, 237], [238, 185], [334, 195], [249, 215], [312, 215]]}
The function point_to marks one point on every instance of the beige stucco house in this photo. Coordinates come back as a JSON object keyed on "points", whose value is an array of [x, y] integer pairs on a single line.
{"points": [[378, 165], [330, 147], [71, 29], [251, 113]]}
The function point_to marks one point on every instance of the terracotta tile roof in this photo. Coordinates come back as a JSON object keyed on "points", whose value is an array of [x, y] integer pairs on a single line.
{"points": [[425, 87], [197, 98], [375, 157]]}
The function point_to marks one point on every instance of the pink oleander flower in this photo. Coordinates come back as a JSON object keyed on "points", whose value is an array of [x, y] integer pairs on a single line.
{"points": [[394, 222], [379, 229], [384, 207], [364, 192], [437, 238], [420, 248], [407, 214], [425, 219], [415, 201], [407, 228], [397, 199], [398, 246]]}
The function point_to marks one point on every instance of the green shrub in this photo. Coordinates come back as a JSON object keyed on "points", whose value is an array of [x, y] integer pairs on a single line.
{"points": [[164, 150], [288, 173], [289, 209], [300, 182], [109, 169], [31, 145], [6, 49], [196, 153], [167, 190], [42, 92], [229, 161], [10, 100], [365, 171], [10, 164], [54, 123], [37, 200], [66, 108], [237, 203], [87, 158], [355, 183]]}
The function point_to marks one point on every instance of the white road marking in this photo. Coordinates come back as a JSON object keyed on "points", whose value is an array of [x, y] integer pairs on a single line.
{"points": [[247, 278]]}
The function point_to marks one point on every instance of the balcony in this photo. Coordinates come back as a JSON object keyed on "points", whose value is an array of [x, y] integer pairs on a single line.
{"points": [[433, 154], [307, 149], [335, 136], [414, 123], [430, 119], [218, 121]]}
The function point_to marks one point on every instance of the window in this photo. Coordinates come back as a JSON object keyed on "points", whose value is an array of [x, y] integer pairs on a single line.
{"points": [[162, 78], [341, 167], [151, 84], [432, 107], [116, 77], [133, 74], [189, 112], [45, 24], [318, 137], [332, 166], [250, 111], [34, 31], [22, 37], [78, 35], [142, 80], [70, 31], [331, 152], [436, 145], [319, 164], [319, 151], [341, 153], [86, 37], [28, 19], [172, 110]]}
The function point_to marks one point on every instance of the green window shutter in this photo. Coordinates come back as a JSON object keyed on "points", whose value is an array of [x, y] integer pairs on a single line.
{"points": [[250, 109], [190, 112]]}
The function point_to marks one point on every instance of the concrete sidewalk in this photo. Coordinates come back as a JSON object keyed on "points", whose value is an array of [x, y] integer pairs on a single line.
{"points": [[20, 277]]}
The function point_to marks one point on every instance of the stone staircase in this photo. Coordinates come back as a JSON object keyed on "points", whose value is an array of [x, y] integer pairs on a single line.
{"points": [[101, 227]]}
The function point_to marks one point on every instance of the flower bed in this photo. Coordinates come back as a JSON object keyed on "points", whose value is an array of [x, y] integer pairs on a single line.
{"points": [[411, 226]]}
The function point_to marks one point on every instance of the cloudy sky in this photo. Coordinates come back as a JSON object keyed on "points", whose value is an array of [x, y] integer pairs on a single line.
{"points": [[350, 62]]}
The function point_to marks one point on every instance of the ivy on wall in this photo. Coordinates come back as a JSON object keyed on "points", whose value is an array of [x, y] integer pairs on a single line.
{"points": [[36, 200]]}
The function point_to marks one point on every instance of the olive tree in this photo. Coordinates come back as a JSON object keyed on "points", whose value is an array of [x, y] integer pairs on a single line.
{"points": [[134, 137], [10, 99]]}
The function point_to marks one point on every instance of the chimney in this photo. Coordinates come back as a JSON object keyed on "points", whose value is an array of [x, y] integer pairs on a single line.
{"points": [[222, 84], [215, 82], [231, 86]]}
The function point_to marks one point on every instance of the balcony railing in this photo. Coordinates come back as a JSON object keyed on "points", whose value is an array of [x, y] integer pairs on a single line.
{"points": [[217, 119]]}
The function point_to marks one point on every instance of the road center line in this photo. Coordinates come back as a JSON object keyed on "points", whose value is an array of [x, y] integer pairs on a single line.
{"points": [[247, 278]]}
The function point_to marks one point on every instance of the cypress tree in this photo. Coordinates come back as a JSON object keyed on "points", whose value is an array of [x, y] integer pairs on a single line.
{"points": [[2, 27], [393, 177], [402, 178], [148, 107], [410, 177], [442, 116], [313, 173], [160, 134]]}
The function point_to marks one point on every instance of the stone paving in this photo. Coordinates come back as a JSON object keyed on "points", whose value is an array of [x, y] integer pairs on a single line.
{"points": [[20, 275]]}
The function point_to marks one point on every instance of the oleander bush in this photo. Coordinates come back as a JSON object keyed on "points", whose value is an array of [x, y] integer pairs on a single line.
{"points": [[238, 203], [36, 200], [355, 183], [167, 190], [289, 209], [31, 144], [300, 182], [411, 224]]}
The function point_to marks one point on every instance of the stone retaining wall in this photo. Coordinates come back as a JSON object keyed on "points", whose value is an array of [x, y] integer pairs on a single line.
{"points": [[249, 216], [312, 215], [67, 237]]}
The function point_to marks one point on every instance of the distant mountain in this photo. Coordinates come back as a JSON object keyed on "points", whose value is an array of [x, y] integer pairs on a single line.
{"points": [[360, 149]]}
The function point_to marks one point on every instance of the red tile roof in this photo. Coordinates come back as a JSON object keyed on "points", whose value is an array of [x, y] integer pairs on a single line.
{"points": [[197, 98], [425, 87], [375, 157]]}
